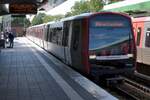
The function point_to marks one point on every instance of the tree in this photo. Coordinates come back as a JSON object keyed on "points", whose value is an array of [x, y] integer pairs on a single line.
{"points": [[80, 7], [68, 14], [86, 6], [38, 19], [95, 5], [48, 18], [26, 22], [20, 21], [113, 1]]}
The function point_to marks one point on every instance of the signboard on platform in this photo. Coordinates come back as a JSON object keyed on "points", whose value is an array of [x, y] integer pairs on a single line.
{"points": [[23, 8], [17, 1]]}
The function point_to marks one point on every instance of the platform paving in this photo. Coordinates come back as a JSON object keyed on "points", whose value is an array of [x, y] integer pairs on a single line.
{"points": [[25, 75]]}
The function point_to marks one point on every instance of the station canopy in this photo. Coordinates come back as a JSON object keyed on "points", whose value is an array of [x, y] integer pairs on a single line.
{"points": [[20, 6], [133, 7]]}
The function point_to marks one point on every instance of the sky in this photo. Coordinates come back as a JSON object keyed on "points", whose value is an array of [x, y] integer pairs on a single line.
{"points": [[62, 8], [66, 7], [124, 3]]}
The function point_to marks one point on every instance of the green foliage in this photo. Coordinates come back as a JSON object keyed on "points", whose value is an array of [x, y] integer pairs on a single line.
{"points": [[20, 21], [68, 14], [27, 22], [80, 7], [48, 18], [95, 5], [43, 18], [86, 6], [113, 1], [38, 19]]}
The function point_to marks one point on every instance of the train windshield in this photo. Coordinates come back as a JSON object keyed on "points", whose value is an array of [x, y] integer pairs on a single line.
{"points": [[109, 32]]}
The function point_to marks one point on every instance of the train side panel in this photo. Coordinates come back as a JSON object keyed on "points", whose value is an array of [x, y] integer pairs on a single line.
{"points": [[54, 41], [139, 36], [143, 50], [75, 42], [146, 44], [77, 45]]}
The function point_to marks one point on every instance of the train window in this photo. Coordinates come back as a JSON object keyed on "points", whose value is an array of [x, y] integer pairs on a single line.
{"points": [[66, 33], [147, 40], [56, 35], [138, 35], [59, 36]]}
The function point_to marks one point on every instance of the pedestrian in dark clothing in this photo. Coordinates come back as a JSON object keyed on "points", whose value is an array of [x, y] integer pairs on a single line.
{"points": [[11, 40], [6, 36]]}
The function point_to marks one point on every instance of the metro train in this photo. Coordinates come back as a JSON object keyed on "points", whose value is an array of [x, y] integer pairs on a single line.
{"points": [[142, 37], [97, 44]]}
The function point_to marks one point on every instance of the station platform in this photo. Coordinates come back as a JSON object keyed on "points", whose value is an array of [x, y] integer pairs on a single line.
{"points": [[27, 72]]}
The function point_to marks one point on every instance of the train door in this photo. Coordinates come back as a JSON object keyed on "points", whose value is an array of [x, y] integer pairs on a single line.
{"points": [[134, 29], [43, 34], [146, 44], [66, 41], [139, 31], [46, 37], [147, 40], [76, 45]]}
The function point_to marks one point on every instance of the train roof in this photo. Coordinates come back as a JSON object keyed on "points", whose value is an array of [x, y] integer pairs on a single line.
{"points": [[84, 15], [141, 19], [56, 24], [38, 25], [50, 22], [91, 14], [77, 16]]}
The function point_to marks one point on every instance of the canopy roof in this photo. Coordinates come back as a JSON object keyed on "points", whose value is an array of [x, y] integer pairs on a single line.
{"points": [[26, 6], [131, 6]]}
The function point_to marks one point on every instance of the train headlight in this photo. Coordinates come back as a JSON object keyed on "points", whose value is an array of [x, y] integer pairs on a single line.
{"points": [[130, 55], [92, 56]]}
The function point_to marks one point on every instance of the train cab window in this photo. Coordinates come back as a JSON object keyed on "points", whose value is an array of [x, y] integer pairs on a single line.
{"points": [[138, 36], [147, 40]]}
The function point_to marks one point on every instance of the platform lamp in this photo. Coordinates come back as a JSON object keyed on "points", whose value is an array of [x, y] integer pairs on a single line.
{"points": [[40, 1], [41, 10]]}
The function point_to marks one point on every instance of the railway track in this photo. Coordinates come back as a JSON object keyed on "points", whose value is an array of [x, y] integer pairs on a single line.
{"points": [[134, 90], [144, 78], [140, 78]]}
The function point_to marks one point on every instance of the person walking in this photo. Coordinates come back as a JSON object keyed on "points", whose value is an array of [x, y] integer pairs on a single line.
{"points": [[11, 39]]}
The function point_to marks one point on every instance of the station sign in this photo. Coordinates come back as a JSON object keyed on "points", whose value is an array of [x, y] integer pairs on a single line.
{"points": [[23, 8]]}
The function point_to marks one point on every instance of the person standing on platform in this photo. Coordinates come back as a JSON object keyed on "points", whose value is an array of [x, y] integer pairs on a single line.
{"points": [[11, 39]]}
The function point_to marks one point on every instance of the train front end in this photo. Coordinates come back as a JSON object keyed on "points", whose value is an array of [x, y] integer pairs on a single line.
{"points": [[111, 44]]}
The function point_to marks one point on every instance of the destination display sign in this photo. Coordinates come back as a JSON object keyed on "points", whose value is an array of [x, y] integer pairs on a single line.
{"points": [[108, 24], [23, 8]]}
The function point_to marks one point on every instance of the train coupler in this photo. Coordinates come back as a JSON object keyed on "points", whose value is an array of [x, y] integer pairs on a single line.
{"points": [[114, 81]]}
